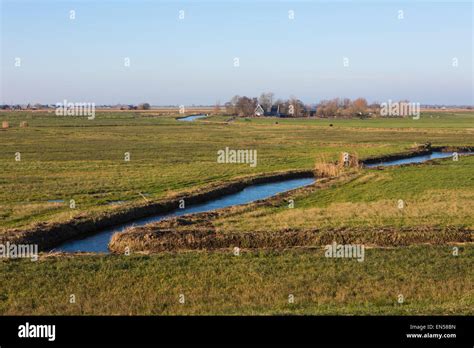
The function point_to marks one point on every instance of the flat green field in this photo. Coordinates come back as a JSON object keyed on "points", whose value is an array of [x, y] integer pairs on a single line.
{"points": [[75, 158], [64, 158], [439, 194], [430, 280]]}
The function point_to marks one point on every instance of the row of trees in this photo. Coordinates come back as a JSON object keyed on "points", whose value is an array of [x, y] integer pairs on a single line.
{"points": [[245, 106], [345, 107], [241, 106], [293, 107]]}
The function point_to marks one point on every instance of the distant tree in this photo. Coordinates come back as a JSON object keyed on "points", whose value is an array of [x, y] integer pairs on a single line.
{"points": [[374, 109], [280, 102], [328, 108], [284, 106], [296, 107], [217, 107], [266, 100], [234, 100], [320, 111], [229, 108], [359, 107], [246, 106], [336, 107], [144, 106], [346, 103]]}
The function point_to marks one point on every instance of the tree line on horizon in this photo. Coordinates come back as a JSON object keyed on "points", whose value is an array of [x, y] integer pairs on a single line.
{"points": [[243, 106]]}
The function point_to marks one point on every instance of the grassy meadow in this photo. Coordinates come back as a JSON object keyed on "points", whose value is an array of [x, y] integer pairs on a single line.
{"points": [[430, 279], [75, 158], [65, 158], [439, 194]]}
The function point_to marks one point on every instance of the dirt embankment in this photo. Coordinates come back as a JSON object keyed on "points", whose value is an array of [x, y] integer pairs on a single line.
{"points": [[50, 235], [199, 234]]}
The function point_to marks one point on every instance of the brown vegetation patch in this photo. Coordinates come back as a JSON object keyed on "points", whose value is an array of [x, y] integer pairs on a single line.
{"points": [[155, 238]]}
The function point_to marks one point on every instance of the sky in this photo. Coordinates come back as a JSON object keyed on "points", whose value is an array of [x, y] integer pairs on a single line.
{"points": [[417, 50]]}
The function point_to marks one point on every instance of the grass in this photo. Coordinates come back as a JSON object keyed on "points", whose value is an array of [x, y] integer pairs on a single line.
{"points": [[433, 195], [75, 158], [431, 280]]}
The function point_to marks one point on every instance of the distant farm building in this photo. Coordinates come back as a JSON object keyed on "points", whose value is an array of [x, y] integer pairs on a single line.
{"points": [[259, 111], [274, 111]]}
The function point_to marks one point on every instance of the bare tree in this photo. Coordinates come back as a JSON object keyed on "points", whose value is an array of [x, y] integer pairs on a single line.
{"points": [[296, 107], [217, 107], [266, 100], [359, 107], [328, 108], [231, 106], [246, 106], [144, 106], [347, 103]]}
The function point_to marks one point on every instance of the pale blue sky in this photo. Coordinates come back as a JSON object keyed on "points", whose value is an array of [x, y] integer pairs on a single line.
{"points": [[191, 60]]}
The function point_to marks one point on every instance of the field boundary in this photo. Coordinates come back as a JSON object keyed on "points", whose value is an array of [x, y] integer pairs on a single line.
{"points": [[157, 239]]}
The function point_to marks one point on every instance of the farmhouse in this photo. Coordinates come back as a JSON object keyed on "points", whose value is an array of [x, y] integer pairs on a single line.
{"points": [[259, 111], [274, 111]]}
